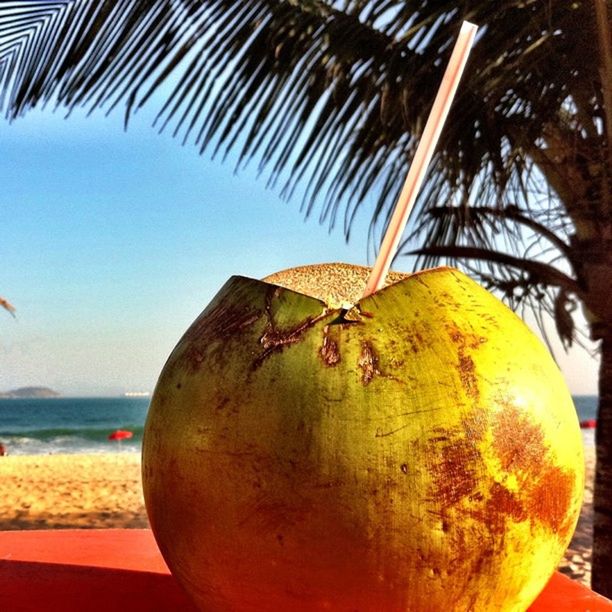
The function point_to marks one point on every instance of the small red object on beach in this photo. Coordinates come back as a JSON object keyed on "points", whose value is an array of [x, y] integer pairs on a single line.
{"points": [[120, 434], [588, 424]]}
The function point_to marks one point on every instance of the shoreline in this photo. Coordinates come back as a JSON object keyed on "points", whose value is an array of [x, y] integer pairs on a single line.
{"points": [[104, 491]]}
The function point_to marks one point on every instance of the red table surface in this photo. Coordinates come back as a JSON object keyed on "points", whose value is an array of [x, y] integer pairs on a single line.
{"points": [[122, 569]]}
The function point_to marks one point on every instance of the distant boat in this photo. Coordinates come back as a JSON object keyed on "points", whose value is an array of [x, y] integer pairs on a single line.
{"points": [[136, 394]]}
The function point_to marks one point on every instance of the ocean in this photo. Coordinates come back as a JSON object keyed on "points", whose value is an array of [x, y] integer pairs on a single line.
{"points": [[57, 425], [82, 425]]}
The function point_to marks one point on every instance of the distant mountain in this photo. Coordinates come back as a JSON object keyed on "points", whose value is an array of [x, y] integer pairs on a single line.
{"points": [[30, 392]]}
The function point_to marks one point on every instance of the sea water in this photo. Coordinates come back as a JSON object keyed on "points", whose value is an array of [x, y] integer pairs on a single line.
{"points": [[82, 425], [71, 424]]}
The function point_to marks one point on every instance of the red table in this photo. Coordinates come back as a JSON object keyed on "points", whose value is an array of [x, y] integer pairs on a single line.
{"points": [[121, 569]]}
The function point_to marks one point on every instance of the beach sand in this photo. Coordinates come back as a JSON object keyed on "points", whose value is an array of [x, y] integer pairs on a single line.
{"points": [[71, 491], [105, 491]]}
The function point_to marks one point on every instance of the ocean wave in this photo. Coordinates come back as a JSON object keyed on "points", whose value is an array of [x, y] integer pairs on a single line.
{"points": [[65, 445], [93, 434]]}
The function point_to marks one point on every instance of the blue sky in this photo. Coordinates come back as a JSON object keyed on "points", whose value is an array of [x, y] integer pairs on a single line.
{"points": [[112, 242]]}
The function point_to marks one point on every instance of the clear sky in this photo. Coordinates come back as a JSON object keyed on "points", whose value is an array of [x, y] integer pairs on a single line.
{"points": [[112, 242]]}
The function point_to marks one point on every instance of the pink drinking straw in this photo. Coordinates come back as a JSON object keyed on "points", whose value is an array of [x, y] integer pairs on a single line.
{"points": [[422, 157]]}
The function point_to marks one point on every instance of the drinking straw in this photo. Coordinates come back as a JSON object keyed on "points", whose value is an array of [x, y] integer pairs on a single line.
{"points": [[422, 157]]}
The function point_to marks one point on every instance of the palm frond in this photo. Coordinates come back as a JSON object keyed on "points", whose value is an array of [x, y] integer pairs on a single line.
{"points": [[523, 255], [331, 98]]}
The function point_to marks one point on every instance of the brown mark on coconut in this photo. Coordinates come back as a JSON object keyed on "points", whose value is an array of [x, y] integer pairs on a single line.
{"points": [[456, 474], [222, 403], [222, 322], [549, 500], [368, 362], [218, 324], [329, 349], [545, 501], [274, 339], [502, 505], [194, 357], [364, 313], [547, 490], [468, 376], [518, 441], [466, 367], [445, 299], [475, 424], [415, 339], [462, 483]]}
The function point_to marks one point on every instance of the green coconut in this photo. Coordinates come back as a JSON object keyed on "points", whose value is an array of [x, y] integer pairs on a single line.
{"points": [[413, 450]]}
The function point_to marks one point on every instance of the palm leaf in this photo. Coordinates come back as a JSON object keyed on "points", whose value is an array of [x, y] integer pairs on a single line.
{"points": [[331, 100]]}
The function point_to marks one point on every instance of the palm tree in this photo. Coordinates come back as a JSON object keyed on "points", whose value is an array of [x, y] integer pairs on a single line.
{"points": [[331, 97]]}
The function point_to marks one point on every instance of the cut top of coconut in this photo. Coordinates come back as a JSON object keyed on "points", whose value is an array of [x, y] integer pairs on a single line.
{"points": [[338, 285]]}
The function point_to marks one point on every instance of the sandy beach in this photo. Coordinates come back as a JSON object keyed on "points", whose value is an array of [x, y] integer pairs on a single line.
{"points": [[104, 491], [71, 491]]}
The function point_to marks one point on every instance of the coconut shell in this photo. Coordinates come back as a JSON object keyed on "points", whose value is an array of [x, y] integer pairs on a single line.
{"points": [[424, 454]]}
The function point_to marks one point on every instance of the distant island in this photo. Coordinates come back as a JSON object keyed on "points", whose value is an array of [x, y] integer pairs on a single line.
{"points": [[29, 392]]}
